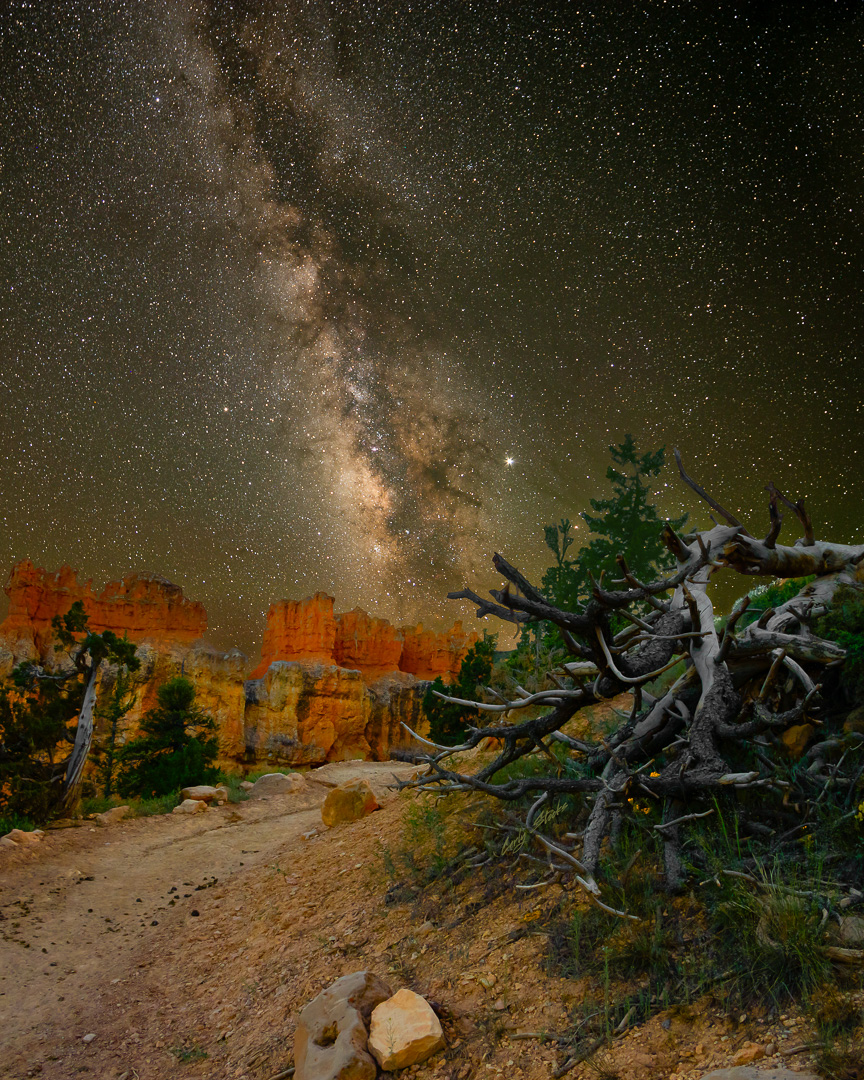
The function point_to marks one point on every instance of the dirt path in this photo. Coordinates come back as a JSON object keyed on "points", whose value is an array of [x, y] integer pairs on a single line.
{"points": [[75, 916]]}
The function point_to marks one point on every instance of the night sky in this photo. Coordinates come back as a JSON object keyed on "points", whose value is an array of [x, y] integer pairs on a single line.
{"points": [[285, 286]]}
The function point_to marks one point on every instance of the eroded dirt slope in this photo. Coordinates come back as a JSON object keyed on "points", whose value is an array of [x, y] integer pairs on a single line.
{"points": [[205, 982]]}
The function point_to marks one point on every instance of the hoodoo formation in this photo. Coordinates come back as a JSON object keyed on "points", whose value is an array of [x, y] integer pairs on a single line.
{"points": [[309, 631], [329, 686]]}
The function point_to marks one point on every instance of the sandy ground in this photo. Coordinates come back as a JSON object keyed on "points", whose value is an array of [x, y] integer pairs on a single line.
{"points": [[79, 912], [184, 948]]}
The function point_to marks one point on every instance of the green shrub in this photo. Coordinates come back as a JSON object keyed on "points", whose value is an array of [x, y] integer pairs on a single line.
{"points": [[447, 722], [844, 623], [8, 822], [177, 746]]}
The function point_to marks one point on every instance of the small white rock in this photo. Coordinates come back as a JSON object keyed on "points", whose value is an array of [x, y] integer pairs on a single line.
{"points": [[89, 1038]]}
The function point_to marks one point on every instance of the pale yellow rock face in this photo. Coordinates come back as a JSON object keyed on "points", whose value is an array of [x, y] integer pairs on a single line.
{"points": [[302, 713], [349, 802], [219, 688], [306, 714], [403, 1031]]}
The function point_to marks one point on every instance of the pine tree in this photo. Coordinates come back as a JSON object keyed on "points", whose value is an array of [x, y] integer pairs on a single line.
{"points": [[177, 745], [107, 746], [37, 714], [625, 524], [447, 722]]}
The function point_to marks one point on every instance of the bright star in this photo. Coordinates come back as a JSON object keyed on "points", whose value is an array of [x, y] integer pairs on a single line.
{"points": [[508, 461]]}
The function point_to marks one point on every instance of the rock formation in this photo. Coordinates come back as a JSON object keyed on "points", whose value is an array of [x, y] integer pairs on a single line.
{"points": [[302, 713], [366, 644], [308, 631], [142, 606], [164, 624], [329, 687], [427, 654]]}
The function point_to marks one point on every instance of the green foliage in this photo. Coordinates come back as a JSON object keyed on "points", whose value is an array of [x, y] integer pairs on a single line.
{"points": [[187, 1054], [8, 822], [772, 942], [428, 845], [844, 623], [88, 652], [37, 711], [773, 595], [110, 715], [32, 727], [447, 722], [625, 524], [232, 782], [176, 747]]}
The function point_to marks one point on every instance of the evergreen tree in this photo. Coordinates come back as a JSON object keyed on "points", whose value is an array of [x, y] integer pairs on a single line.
{"points": [[177, 745], [43, 711], [107, 746], [447, 722], [626, 524]]}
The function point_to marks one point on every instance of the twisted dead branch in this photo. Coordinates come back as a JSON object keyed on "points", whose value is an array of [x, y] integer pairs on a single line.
{"points": [[699, 733]]}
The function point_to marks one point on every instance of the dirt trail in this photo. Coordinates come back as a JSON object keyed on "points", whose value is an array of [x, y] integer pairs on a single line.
{"points": [[76, 915]]}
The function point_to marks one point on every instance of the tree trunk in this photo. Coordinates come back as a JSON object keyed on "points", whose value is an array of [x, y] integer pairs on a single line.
{"points": [[83, 742]]}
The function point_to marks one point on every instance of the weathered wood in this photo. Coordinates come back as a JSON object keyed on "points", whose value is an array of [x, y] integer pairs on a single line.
{"points": [[83, 742]]}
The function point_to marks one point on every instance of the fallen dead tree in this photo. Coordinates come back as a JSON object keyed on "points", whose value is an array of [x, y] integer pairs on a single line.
{"points": [[714, 730]]}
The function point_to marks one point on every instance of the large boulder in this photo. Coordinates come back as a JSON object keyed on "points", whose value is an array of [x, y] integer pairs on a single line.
{"points": [[206, 793], [349, 802], [331, 1036], [278, 783], [404, 1030], [22, 836], [112, 816], [190, 806]]}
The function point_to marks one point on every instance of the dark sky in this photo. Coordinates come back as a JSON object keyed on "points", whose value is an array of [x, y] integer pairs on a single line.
{"points": [[284, 285]]}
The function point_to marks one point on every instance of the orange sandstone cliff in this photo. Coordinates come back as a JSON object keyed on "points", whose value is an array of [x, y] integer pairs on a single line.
{"points": [[150, 611], [329, 687], [428, 654], [308, 631], [140, 606]]}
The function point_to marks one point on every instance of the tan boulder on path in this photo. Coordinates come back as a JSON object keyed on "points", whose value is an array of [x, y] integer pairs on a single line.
{"points": [[206, 793], [190, 806], [277, 783], [112, 816], [22, 836], [404, 1031], [349, 802]]}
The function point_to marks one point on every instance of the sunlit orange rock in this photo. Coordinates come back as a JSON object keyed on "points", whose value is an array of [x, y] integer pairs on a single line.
{"points": [[305, 713], [367, 644], [153, 613], [142, 606], [299, 630], [427, 654]]}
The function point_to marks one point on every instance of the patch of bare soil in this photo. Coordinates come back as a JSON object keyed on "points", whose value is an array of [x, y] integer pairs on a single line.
{"points": [[187, 946]]}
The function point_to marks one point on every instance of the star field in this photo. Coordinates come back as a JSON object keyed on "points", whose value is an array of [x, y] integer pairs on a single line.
{"points": [[347, 295]]}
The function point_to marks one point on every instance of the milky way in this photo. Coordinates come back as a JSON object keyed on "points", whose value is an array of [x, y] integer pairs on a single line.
{"points": [[287, 285]]}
